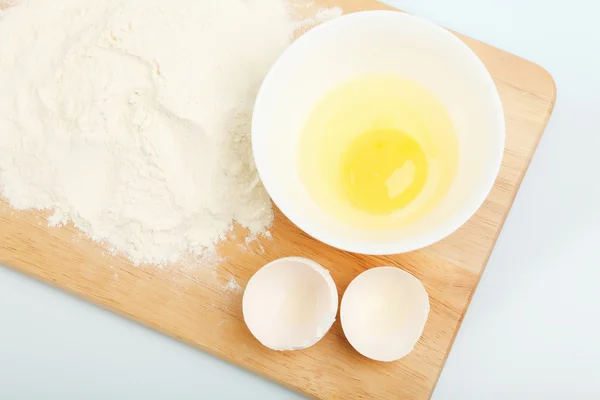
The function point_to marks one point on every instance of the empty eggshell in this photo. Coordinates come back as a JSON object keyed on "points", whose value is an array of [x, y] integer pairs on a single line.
{"points": [[383, 313], [290, 303]]}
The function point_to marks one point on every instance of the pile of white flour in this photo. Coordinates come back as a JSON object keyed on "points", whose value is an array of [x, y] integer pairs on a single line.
{"points": [[131, 118]]}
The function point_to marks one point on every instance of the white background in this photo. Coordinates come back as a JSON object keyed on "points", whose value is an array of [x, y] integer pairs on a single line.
{"points": [[532, 331]]}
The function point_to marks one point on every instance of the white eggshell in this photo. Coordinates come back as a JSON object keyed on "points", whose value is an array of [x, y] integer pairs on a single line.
{"points": [[290, 303], [383, 313]]}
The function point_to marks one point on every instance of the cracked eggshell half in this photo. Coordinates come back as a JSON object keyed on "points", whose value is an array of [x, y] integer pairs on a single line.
{"points": [[290, 303], [383, 313]]}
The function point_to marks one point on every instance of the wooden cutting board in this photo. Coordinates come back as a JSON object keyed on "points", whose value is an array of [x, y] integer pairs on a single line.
{"points": [[201, 305]]}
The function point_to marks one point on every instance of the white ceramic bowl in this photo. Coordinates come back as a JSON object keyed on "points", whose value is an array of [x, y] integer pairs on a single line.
{"points": [[380, 42]]}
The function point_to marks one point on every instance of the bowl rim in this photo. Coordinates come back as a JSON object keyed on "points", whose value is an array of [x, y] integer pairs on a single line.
{"points": [[420, 240]]}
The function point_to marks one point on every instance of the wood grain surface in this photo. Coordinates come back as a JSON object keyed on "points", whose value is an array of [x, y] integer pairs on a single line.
{"points": [[193, 302]]}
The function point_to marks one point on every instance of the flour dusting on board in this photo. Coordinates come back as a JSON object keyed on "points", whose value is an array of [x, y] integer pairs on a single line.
{"points": [[132, 120], [232, 285], [315, 15]]}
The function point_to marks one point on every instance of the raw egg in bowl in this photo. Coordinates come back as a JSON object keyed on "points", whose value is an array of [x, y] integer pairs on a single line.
{"points": [[378, 132]]}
